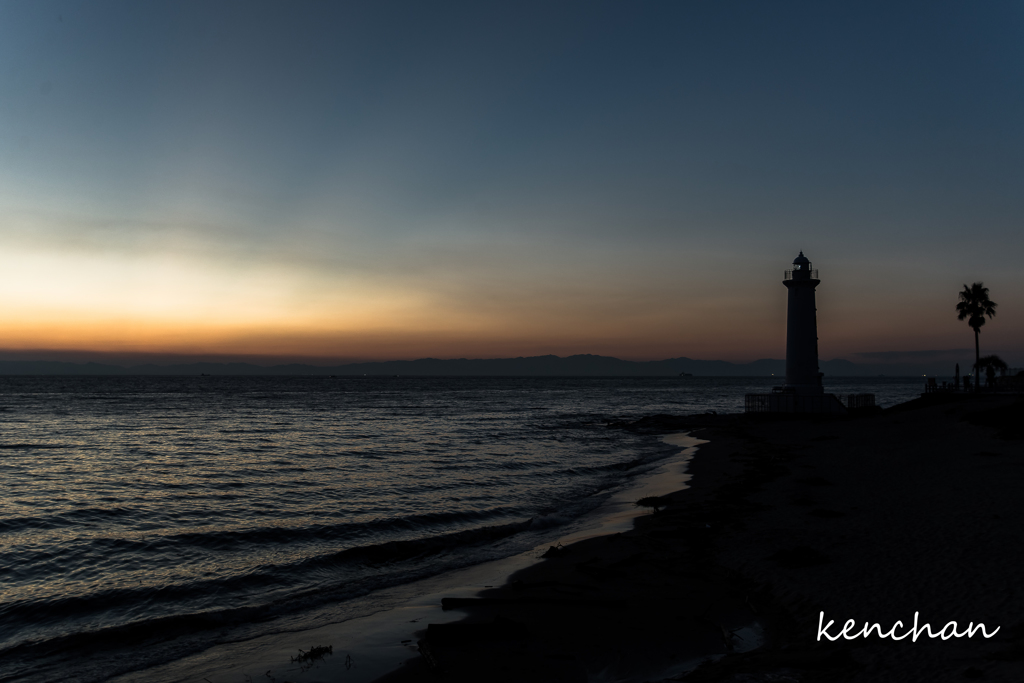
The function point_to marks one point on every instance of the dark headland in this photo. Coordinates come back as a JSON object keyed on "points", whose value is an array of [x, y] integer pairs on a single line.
{"points": [[873, 518]]}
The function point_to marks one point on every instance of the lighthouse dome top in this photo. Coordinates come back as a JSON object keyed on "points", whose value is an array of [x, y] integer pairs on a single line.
{"points": [[802, 270]]}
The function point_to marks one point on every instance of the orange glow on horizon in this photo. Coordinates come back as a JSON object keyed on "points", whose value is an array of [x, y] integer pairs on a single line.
{"points": [[97, 304]]}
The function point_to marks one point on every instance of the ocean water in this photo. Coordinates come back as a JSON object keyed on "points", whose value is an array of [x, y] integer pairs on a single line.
{"points": [[146, 518]]}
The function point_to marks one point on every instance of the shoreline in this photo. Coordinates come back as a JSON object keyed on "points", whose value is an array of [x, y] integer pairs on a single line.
{"points": [[660, 628], [381, 635], [874, 518]]}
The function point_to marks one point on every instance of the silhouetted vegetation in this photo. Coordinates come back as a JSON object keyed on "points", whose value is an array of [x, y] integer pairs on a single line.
{"points": [[974, 306], [315, 654], [992, 365]]}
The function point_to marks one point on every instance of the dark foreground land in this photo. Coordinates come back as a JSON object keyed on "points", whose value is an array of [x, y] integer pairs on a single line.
{"points": [[918, 509]]}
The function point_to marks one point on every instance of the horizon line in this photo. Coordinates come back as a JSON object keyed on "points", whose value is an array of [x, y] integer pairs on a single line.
{"points": [[312, 363]]}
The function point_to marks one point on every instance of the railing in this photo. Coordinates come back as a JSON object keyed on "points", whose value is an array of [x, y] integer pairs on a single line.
{"points": [[1014, 382], [933, 387], [813, 274], [757, 403], [794, 403], [855, 401]]}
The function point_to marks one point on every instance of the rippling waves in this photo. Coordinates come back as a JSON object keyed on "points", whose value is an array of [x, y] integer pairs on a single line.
{"points": [[142, 508]]}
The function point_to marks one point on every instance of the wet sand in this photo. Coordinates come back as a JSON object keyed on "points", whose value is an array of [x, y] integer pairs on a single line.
{"points": [[870, 518]]}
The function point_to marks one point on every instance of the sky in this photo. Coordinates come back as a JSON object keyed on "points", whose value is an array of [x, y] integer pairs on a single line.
{"points": [[330, 182]]}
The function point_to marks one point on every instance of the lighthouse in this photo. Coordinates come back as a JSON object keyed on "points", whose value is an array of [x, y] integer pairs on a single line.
{"points": [[803, 392], [802, 375]]}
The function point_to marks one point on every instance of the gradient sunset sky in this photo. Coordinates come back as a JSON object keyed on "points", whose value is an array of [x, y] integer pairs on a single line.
{"points": [[393, 180]]}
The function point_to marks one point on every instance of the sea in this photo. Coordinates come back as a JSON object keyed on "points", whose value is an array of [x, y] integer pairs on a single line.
{"points": [[144, 519]]}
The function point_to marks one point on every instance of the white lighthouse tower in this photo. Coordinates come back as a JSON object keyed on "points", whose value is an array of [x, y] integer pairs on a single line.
{"points": [[803, 392], [802, 375]]}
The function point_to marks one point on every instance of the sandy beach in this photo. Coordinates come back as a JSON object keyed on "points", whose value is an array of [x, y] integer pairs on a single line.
{"points": [[373, 635], [915, 510], [872, 518]]}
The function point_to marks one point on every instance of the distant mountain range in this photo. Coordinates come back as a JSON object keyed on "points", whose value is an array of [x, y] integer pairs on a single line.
{"points": [[584, 365]]}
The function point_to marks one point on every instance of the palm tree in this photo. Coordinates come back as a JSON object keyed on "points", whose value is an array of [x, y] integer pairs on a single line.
{"points": [[974, 306]]}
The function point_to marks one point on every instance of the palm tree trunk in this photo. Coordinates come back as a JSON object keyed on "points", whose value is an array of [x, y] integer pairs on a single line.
{"points": [[977, 360]]}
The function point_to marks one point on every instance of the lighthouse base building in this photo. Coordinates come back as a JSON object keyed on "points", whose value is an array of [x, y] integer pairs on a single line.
{"points": [[803, 391]]}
